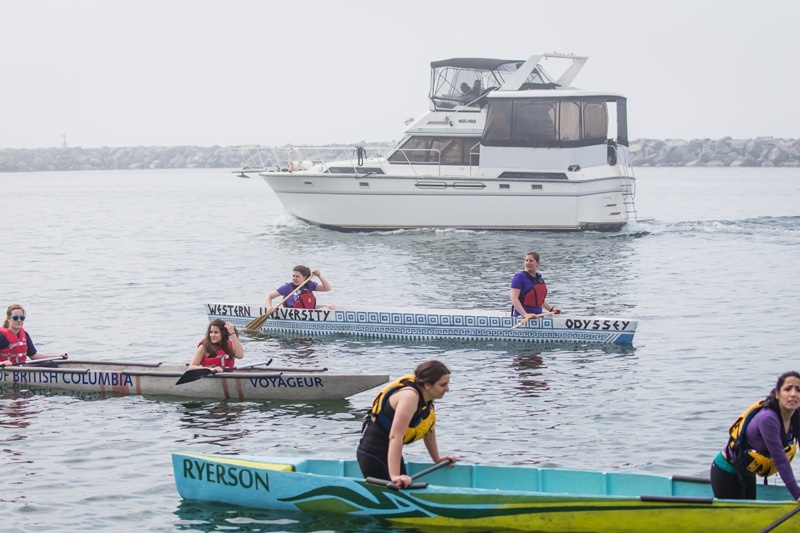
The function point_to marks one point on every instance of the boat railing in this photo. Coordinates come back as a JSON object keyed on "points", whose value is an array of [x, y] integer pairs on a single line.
{"points": [[472, 153], [412, 163], [289, 158]]}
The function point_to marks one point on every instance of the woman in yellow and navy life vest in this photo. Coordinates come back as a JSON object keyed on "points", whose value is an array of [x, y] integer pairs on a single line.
{"points": [[16, 345], [403, 412], [528, 290], [219, 349], [762, 441], [304, 298]]}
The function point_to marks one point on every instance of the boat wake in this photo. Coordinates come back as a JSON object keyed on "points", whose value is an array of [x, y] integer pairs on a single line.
{"points": [[766, 226]]}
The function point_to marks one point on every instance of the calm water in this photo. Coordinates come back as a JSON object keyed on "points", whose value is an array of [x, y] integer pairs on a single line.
{"points": [[116, 266]]}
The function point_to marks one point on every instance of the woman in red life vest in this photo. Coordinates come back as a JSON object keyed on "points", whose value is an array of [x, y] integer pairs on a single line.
{"points": [[304, 298], [16, 345], [528, 289], [219, 349]]}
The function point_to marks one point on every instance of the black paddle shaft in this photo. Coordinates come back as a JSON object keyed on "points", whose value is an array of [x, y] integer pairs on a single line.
{"points": [[199, 373], [781, 520], [396, 486]]}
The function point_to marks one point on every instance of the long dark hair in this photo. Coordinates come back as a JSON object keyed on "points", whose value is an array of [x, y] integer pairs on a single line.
{"points": [[429, 372], [210, 347], [772, 401]]}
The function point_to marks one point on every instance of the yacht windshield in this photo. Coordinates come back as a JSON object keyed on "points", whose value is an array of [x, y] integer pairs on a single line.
{"points": [[464, 81]]}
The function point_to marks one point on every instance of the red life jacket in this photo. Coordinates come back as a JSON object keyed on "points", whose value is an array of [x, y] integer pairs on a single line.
{"points": [[223, 360], [536, 295], [305, 300], [17, 349]]}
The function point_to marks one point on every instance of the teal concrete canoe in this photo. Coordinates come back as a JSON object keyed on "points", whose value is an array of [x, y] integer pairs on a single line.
{"points": [[488, 497]]}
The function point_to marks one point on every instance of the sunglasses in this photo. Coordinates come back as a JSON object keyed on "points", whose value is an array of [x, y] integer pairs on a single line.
{"points": [[17, 318]]}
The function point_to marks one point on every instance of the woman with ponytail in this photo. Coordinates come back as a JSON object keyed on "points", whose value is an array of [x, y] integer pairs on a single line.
{"points": [[16, 345]]}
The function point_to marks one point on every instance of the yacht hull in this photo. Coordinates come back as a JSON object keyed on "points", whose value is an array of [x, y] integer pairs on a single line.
{"points": [[380, 202]]}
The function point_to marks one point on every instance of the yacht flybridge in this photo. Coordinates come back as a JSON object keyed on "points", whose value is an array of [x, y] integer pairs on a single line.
{"points": [[505, 146]]}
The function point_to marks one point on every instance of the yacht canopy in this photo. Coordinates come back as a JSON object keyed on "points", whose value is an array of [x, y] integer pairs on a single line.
{"points": [[464, 81], [476, 63]]}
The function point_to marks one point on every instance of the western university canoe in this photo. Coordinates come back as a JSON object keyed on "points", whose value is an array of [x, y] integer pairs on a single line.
{"points": [[487, 497], [422, 324], [291, 384]]}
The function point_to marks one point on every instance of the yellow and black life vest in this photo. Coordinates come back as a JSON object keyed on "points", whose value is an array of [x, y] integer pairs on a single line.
{"points": [[382, 412], [744, 457]]}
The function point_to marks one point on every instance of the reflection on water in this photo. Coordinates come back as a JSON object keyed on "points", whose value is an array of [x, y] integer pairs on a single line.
{"points": [[210, 516], [530, 368], [223, 423], [18, 411], [19, 390], [213, 423]]}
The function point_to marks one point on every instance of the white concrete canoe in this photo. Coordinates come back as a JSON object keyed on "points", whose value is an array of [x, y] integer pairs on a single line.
{"points": [[292, 384], [423, 324]]}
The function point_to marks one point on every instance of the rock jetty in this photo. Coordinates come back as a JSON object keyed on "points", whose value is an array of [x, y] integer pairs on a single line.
{"points": [[138, 157], [725, 152]]}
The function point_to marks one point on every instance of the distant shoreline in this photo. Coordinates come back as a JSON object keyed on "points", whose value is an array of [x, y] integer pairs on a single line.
{"points": [[725, 152]]}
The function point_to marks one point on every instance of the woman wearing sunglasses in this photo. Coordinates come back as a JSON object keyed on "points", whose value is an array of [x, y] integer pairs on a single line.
{"points": [[16, 345]]}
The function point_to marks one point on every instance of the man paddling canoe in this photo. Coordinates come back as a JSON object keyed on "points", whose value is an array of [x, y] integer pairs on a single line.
{"points": [[528, 289], [403, 413], [762, 441], [16, 345], [220, 347]]}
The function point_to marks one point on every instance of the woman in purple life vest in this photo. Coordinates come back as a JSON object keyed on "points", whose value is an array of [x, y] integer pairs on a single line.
{"points": [[219, 349], [529, 291], [304, 298], [16, 345]]}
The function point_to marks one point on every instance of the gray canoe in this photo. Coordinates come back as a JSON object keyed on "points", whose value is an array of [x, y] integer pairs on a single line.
{"points": [[292, 384]]}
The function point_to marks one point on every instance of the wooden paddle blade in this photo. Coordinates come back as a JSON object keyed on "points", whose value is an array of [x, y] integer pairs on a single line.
{"points": [[256, 323], [194, 375]]}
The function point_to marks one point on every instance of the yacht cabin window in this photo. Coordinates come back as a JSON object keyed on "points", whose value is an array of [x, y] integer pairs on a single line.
{"points": [[552, 122], [444, 150]]}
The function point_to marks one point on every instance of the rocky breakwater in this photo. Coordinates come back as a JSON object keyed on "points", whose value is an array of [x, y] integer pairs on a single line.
{"points": [[76, 158], [141, 157], [725, 152]]}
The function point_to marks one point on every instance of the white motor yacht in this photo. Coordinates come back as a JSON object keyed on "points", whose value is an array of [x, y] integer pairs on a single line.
{"points": [[505, 146]]}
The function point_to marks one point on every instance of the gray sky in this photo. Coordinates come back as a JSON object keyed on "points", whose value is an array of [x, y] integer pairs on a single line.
{"points": [[166, 72]]}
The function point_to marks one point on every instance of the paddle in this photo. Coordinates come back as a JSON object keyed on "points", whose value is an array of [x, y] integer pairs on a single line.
{"points": [[256, 323], [35, 361], [781, 520], [197, 373], [531, 316], [396, 486]]}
